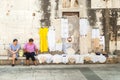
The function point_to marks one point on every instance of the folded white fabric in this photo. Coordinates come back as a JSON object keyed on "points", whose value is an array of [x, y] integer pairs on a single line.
{"points": [[57, 59], [58, 46], [87, 57], [70, 51], [102, 58], [64, 58], [79, 59], [41, 58], [95, 58], [45, 58], [71, 58], [98, 58], [48, 58], [51, 38]]}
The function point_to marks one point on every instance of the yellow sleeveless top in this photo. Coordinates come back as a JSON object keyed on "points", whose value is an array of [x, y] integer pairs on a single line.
{"points": [[43, 39]]}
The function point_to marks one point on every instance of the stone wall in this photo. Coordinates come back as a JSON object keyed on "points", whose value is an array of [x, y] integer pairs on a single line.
{"points": [[21, 19]]}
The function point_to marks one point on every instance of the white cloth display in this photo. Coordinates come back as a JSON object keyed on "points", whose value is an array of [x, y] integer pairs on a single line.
{"points": [[79, 59], [70, 51], [64, 28], [87, 57], [84, 26], [51, 39], [48, 58], [58, 47], [73, 58], [57, 59], [44, 58], [41, 58], [65, 47], [102, 41], [96, 58], [102, 58], [95, 33], [64, 58], [83, 45]]}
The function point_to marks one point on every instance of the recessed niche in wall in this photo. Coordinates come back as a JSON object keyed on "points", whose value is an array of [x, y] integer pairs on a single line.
{"points": [[70, 14]]}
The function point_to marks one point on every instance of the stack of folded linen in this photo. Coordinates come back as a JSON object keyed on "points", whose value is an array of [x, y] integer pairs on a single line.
{"points": [[48, 58], [64, 58], [58, 47], [70, 51], [94, 57], [71, 59], [41, 58], [98, 58], [79, 59], [87, 57], [102, 58], [57, 59]]}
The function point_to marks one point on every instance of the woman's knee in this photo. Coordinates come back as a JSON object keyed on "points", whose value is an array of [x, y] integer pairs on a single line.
{"points": [[13, 55]]}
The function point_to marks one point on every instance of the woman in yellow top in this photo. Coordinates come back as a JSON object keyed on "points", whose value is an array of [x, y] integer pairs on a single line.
{"points": [[43, 31]]}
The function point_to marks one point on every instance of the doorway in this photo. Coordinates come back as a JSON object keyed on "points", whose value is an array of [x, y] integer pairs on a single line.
{"points": [[73, 26]]}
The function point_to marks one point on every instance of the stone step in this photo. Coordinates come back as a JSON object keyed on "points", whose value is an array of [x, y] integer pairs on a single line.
{"points": [[5, 60], [18, 62]]}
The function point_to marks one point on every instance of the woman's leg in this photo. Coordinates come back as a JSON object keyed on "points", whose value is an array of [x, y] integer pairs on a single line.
{"points": [[27, 58], [27, 62], [17, 55], [33, 58], [13, 59]]}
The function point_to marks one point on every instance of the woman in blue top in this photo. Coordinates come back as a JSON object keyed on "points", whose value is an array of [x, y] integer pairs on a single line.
{"points": [[14, 48]]}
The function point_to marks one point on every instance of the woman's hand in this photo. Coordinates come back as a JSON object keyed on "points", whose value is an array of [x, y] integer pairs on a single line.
{"points": [[13, 52]]}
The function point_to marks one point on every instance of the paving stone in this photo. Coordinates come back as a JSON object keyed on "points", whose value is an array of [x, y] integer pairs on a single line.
{"points": [[61, 72]]}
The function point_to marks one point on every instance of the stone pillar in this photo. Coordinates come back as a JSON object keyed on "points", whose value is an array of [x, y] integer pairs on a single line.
{"points": [[106, 32]]}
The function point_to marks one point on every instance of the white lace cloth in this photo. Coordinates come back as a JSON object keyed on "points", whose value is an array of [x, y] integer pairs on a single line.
{"points": [[70, 58]]}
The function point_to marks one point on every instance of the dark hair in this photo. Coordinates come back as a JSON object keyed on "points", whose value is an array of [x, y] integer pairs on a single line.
{"points": [[31, 40], [15, 40]]}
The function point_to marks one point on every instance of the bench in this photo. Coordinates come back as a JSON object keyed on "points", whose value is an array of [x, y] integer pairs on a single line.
{"points": [[5, 59]]}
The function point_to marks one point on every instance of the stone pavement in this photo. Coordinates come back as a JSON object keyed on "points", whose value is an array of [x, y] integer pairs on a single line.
{"points": [[61, 72]]}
